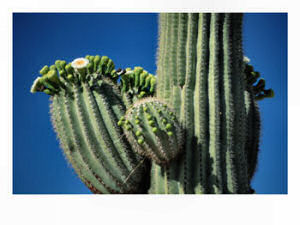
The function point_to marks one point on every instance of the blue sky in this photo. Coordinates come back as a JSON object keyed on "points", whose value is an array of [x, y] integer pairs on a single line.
{"points": [[39, 166]]}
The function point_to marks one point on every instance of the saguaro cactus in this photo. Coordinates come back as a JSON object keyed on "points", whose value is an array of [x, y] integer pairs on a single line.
{"points": [[200, 132]]}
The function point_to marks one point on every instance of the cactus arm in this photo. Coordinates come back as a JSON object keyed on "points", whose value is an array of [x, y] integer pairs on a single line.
{"points": [[86, 105]]}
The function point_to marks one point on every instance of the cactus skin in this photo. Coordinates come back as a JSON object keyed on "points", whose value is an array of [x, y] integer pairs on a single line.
{"points": [[154, 131], [86, 105], [215, 104]]}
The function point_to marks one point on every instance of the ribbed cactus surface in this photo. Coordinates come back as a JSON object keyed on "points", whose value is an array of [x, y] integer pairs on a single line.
{"points": [[201, 73], [197, 123]]}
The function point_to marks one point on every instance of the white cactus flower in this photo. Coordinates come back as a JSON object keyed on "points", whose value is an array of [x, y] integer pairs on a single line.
{"points": [[129, 72], [79, 63], [35, 86], [246, 59]]}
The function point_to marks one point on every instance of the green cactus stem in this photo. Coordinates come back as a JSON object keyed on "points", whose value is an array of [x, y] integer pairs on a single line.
{"points": [[152, 128], [86, 105]]}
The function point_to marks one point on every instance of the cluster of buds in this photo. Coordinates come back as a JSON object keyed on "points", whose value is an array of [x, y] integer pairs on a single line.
{"points": [[50, 83], [137, 82], [61, 75], [258, 85]]}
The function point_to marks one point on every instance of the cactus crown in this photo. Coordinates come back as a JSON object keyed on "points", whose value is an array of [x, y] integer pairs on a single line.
{"points": [[136, 83]]}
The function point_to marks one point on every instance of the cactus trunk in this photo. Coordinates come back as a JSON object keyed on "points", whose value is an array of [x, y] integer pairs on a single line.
{"points": [[201, 74]]}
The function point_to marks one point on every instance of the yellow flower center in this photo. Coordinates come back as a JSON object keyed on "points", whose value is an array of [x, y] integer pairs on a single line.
{"points": [[80, 62]]}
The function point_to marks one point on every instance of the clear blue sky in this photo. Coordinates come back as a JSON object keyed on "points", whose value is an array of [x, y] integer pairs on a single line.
{"points": [[39, 166]]}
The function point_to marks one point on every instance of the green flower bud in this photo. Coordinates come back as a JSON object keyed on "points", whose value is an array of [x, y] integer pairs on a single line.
{"points": [[90, 68], [143, 76], [168, 126], [52, 67], [52, 76], [70, 77], [57, 64], [149, 117], [48, 92], [63, 63], [151, 123], [44, 70], [140, 141], [170, 133], [152, 84], [69, 68]]}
